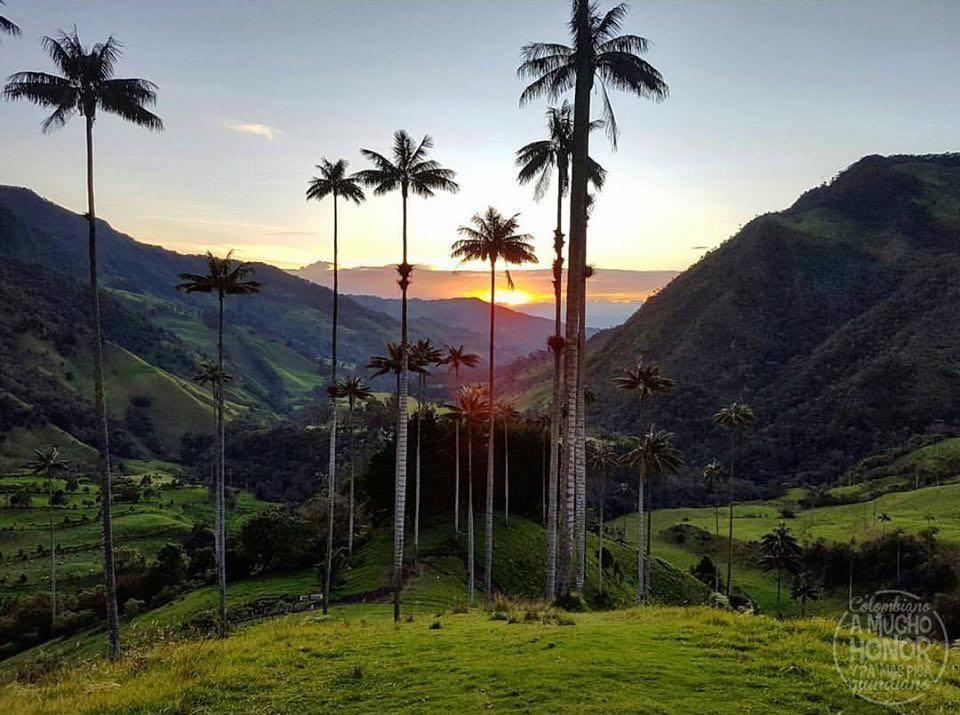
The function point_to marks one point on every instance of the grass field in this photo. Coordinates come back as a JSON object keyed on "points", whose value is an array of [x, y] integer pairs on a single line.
{"points": [[144, 526]]}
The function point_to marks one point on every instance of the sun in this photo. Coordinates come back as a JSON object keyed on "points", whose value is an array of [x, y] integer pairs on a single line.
{"points": [[504, 296]]}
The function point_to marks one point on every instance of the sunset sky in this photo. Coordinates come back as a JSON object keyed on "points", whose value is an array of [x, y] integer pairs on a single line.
{"points": [[767, 100]]}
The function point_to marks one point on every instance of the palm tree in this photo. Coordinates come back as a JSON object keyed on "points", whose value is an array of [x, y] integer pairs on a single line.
{"points": [[409, 171], [780, 552], [646, 381], [87, 85], [598, 52], [425, 355], [580, 466], [884, 518], [804, 588], [224, 277], [8, 27], [654, 454], [470, 406], [492, 238], [354, 390], [602, 458], [457, 358], [333, 181], [537, 160], [47, 463], [735, 418], [715, 476], [391, 362]]}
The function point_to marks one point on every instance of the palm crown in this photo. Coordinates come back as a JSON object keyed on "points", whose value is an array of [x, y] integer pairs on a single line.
{"points": [[645, 379], [735, 416], [458, 358], [211, 374], [656, 453], [224, 276], [423, 354], [613, 58], [392, 362], [86, 85], [538, 159], [493, 237], [333, 180], [471, 403], [714, 475], [353, 389], [410, 170], [601, 455], [8, 26], [46, 461]]}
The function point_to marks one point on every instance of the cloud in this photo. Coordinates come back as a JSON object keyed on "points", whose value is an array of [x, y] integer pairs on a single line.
{"points": [[260, 130]]}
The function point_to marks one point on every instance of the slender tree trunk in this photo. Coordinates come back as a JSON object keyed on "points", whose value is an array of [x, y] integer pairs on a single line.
{"points": [[488, 534], [332, 468], [400, 485], [456, 472], [778, 591], [578, 240], [641, 568], [555, 412], [100, 403], [649, 534], [600, 546], [471, 546], [416, 496], [506, 472], [220, 516], [580, 468], [352, 477], [733, 464], [543, 482], [53, 558]]}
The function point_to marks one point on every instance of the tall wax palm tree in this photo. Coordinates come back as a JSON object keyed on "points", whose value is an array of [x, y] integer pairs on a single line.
{"points": [[224, 277], [408, 171], [780, 552], [210, 373], [804, 588], [392, 362], [470, 407], [714, 477], [654, 455], [85, 86], [354, 390], [456, 359], [602, 458], [538, 160], [645, 380], [598, 53], [734, 418], [884, 519], [8, 27], [333, 181], [493, 237], [425, 355], [48, 463]]}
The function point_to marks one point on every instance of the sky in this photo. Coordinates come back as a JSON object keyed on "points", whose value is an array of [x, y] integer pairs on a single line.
{"points": [[767, 99]]}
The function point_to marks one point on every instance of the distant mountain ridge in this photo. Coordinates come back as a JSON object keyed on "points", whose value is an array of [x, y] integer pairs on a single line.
{"points": [[836, 319]]}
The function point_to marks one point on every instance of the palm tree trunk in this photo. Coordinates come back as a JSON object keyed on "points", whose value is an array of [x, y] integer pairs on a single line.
{"points": [[471, 546], [400, 484], [641, 569], [543, 481], [488, 534], [506, 472], [600, 546], [416, 496], [649, 505], [53, 558], [332, 468], [220, 517], [733, 463], [352, 477], [100, 403], [456, 478], [577, 250], [580, 468], [778, 590], [555, 411]]}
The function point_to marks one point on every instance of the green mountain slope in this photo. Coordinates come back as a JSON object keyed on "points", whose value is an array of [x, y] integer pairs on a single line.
{"points": [[835, 319]]}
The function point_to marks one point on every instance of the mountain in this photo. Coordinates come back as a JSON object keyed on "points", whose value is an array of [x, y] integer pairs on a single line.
{"points": [[614, 293], [518, 334], [836, 319]]}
